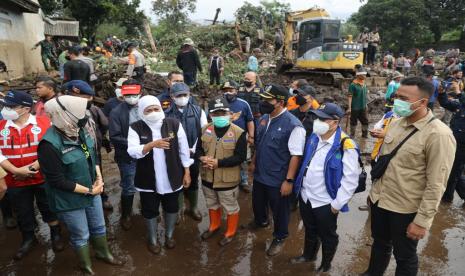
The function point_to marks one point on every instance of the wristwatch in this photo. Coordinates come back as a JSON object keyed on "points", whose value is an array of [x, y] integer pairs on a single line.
{"points": [[89, 192], [290, 181]]}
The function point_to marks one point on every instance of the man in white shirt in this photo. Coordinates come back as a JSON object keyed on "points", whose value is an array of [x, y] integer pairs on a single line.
{"points": [[327, 179]]}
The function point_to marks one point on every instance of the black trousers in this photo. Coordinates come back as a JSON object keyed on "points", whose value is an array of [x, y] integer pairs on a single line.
{"points": [[320, 224], [358, 115], [388, 230], [5, 205], [455, 182], [150, 203], [371, 54], [365, 55], [264, 197], [215, 77], [195, 172], [22, 200]]}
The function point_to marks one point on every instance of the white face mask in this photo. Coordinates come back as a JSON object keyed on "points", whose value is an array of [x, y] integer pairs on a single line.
{"points": [[9, 114], [131, 100], [291, 91], [320, 127], [154, 117], [118, 92], [181, 101]]}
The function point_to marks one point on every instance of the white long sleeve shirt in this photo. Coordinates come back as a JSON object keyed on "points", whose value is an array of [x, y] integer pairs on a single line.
{"points": [[314, 187], [135, 148]]}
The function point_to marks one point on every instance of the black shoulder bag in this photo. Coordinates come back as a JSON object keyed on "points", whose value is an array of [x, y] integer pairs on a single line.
{"points": [[362, 178], [380, 166]]}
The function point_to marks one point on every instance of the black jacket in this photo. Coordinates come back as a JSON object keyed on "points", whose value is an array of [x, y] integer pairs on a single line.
{"points": [[457, 123], [118, 129], [189, 61]]}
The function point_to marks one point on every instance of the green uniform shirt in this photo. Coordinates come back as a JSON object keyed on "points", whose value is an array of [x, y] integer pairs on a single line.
{"points": [[359, 96], [46, 48]]}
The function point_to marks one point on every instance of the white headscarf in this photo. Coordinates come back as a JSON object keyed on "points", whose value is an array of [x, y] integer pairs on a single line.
{"points": [[145, 102], [64, 120]]}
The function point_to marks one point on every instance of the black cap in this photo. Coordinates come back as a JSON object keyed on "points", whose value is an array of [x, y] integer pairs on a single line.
{"points": [[15, 98], [229, 84], [275, 91], [219, 103], [305, 90], [329, 111]]}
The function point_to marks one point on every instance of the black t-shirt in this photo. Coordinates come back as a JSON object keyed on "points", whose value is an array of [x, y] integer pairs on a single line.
{"points": [[306, 118], [76, 70]]}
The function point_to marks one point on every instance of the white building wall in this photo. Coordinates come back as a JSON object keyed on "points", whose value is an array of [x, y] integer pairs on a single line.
{"points": [[19, 32]]}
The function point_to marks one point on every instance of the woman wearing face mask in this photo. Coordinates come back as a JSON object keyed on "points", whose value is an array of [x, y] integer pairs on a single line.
{"points": [[222, 151], [160, 146], [74, 182], [327, 179]]}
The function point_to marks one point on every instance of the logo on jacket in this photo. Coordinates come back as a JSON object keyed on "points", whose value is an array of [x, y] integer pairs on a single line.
{"points": [[171, 135], [5, 132], [36, 130]]}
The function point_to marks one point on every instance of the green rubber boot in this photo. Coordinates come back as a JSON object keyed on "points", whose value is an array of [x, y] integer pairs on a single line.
{"points": [[193, 212], [85, 263], [181, 208], [102, 252]]}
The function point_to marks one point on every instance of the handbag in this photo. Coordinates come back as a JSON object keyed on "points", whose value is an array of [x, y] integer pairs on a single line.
{"points": [[379, 166], [362, 178]]}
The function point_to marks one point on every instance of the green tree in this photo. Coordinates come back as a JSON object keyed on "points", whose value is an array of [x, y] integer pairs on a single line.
{"points": [[174, 13], [51, 7]]}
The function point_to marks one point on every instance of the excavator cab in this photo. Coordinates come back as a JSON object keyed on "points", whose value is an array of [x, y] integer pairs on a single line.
{"points": [[315, 33]]}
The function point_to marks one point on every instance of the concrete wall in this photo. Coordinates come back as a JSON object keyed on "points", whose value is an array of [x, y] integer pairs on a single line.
{"points": [[18, 34]]}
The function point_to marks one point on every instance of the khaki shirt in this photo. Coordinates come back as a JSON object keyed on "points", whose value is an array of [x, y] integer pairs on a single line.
{"points": [[416, 177]]}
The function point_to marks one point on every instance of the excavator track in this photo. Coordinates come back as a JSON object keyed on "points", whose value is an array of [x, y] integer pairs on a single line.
{"points": [[320, 77]]}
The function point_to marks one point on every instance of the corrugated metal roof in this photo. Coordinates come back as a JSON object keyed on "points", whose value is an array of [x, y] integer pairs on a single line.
{"points": [[61, 28], [26, 5]]}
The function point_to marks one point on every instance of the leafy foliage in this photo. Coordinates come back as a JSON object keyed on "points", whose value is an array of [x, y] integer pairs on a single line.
{"points": [[174, 13]]}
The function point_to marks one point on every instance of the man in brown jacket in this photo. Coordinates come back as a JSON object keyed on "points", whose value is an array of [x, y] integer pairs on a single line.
{"points": [[223, 149], [405, 199]]}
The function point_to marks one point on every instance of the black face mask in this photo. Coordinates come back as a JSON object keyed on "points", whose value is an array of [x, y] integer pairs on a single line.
{"points": [[266, 107], [82, 122], [248, 83], [300, 100], [230, 97]]}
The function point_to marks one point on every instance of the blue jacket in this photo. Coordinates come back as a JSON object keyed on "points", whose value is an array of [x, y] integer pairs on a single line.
{"points": [[272, 154], [190, 120], [240, 105], [333, 169], [118, 131], [457, 123]]}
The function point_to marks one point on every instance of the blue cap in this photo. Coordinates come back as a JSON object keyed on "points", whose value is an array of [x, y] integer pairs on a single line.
{"points": [[179, 88], [84, 87], [329, 111], [15, 98]]}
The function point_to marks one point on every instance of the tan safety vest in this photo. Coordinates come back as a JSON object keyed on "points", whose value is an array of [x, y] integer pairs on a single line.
{"points": [[223, 148]]}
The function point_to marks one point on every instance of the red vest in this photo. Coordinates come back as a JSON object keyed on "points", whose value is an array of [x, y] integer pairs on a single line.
{"points": [[20, 148]]}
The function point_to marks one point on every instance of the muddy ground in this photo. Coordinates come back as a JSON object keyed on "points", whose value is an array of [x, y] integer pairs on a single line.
{"points": [[441, 252]]}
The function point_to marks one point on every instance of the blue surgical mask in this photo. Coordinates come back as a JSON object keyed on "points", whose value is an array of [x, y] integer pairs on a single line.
{"points": [[403, 108], [221, 121]]}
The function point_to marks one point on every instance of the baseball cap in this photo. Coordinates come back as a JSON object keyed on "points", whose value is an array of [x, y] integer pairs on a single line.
{"points": [[130, 89], [305, 90], [330, 111], [229, 84], [179, 88], [275, 91], [121, 81], [219, 103], [84, 87], [15, 98]]}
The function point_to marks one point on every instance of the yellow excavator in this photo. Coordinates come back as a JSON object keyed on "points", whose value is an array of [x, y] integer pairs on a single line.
{"points": [[314, 49]]}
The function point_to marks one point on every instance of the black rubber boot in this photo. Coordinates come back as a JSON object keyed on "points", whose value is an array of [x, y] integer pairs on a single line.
{"points": [[379, 261], [126, 211], [29, 240], [311, 248], [56, 238], [328, 255]]}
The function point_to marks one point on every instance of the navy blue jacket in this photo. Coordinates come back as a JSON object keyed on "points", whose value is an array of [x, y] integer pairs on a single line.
{"points": [[118, 129], [457, 123]]}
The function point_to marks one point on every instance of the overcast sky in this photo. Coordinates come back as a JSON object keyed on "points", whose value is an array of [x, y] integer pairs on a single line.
{"points": [[341, 9]]}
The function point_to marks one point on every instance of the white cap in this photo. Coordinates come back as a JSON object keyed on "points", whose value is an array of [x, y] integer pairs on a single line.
{"points": [[361, 73], [120, 81]]}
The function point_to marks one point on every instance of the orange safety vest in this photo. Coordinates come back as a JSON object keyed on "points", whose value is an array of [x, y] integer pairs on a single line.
{"points": [[20, 148], [291, 104]]}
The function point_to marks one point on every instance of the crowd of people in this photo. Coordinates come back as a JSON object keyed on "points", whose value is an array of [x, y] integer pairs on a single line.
{"points": [[167, 148]]}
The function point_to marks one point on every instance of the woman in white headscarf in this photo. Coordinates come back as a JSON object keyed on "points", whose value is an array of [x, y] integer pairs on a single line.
{"points": [[163, 159], [73, 179]]}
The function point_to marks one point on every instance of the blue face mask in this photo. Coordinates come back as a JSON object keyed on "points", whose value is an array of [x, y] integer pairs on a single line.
{"points": [[221, 121], [403, 108]]}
